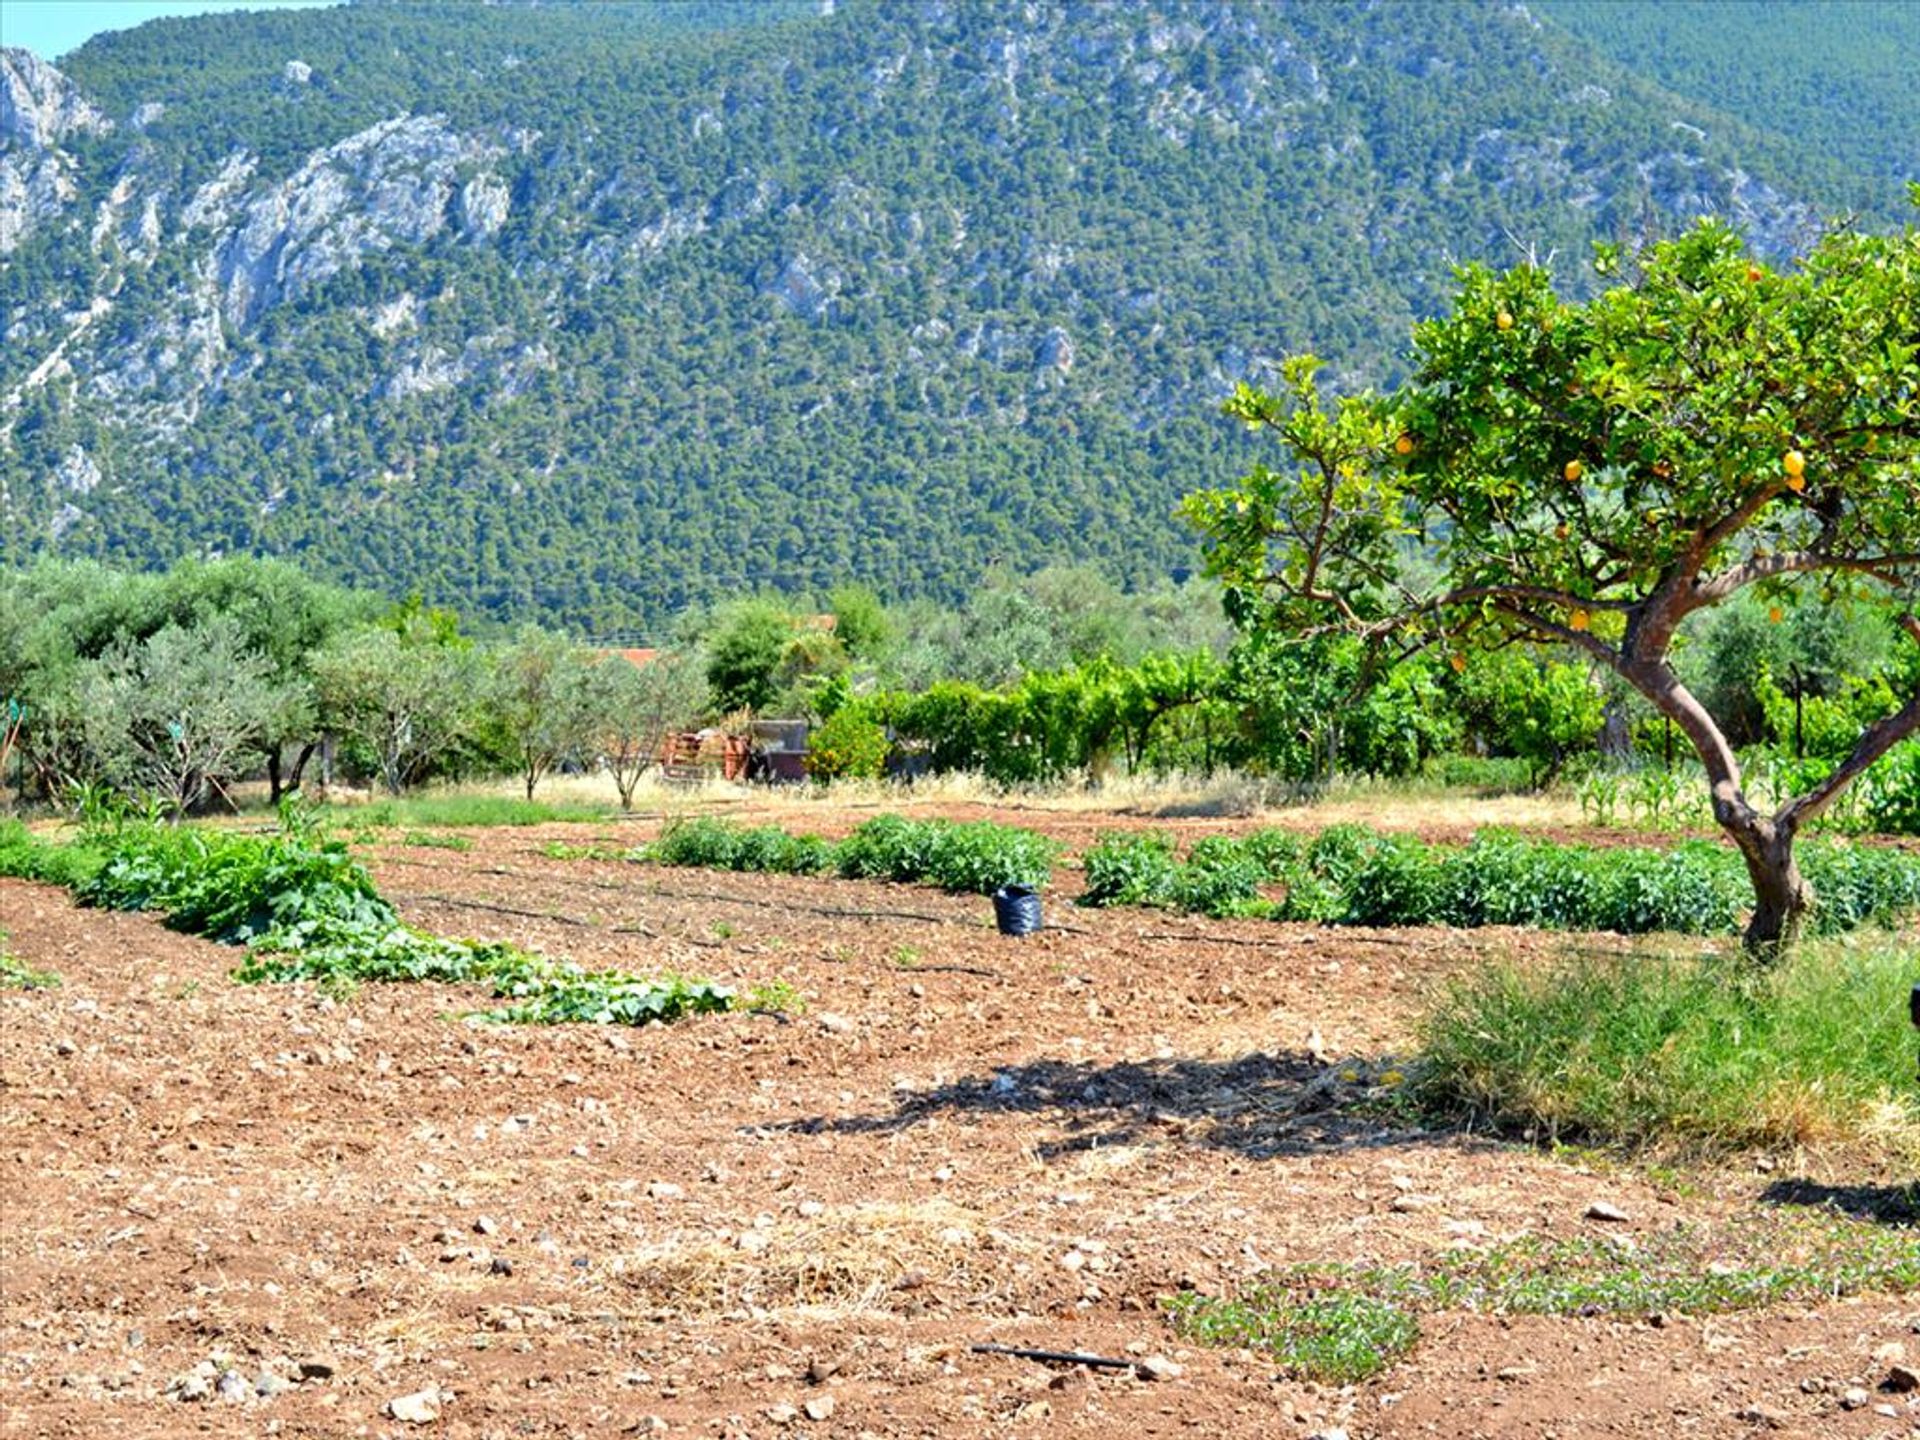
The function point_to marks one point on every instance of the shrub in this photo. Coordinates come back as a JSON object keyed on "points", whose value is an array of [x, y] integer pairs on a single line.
{"points": [[1339, 851], [1398, 882], [978, 856], [722, 845], [1221, 877], [849, 746], [1131, 869]]}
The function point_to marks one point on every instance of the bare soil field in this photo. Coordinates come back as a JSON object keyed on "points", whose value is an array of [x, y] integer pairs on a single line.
{"points": [[245, 1211]]}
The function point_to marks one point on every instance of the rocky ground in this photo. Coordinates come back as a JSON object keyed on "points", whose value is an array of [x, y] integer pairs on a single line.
{"points": [[256, 1211]]}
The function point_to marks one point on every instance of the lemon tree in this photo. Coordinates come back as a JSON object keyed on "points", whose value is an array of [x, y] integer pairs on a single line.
{"points": [[1592, 474]]}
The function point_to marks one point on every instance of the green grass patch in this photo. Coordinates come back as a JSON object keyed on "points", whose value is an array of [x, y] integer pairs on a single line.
{"points": [[1336, 1338], [435, 840], [1339, 1323], [430, 812], [564, 850], [1700, 1053], [16, 974]]}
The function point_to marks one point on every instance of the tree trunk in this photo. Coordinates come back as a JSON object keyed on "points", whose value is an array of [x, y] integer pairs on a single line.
{"points": [[274, 791], [300, 765], [1781, 896]]}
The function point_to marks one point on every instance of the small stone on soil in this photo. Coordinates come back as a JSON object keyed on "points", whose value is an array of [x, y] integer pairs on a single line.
{"points": [[1601, 1210], [232, 1386], [422, 1407]]}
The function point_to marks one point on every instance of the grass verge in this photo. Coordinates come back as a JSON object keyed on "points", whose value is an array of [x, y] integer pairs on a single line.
{"points": [[1338, 1323], [428, 812], [1700, 1054]]}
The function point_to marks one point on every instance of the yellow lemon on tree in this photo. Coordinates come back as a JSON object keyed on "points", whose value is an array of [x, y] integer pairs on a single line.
{"points": [[1404, 445], [1776, 614], [1574, 470], [1580, 621], [1504, 320]]}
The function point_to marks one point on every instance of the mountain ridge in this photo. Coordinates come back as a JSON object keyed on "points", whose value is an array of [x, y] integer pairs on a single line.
{"points": [[597, 331]]}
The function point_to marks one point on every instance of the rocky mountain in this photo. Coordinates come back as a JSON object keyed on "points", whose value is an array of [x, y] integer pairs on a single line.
{"points": [[594, 311]]}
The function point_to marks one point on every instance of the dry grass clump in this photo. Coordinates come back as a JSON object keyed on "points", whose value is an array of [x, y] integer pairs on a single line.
{"points": [[846, 1258]]}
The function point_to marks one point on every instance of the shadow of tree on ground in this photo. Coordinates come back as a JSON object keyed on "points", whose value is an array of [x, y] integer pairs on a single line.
{"points": [[1887, 1204], [1260, 1106]]}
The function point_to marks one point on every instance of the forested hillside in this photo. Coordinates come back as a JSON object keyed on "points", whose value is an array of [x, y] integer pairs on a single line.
{"points": [[1837, 76], [590, 312]]}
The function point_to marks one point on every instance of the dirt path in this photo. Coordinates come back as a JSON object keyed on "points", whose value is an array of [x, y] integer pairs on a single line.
{"points": [[752, 1225]]}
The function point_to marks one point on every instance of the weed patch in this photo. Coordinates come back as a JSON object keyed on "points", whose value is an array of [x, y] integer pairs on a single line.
{"points": [[435, 840], [426, 812], [16, 974], [1338, 1323], [1700, 1053]]}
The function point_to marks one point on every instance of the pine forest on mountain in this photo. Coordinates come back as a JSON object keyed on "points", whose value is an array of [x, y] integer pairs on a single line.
{"points": [[592, 313]]}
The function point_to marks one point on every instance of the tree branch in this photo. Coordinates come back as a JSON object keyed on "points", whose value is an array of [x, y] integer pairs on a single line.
{"points": [[1885, 568]]}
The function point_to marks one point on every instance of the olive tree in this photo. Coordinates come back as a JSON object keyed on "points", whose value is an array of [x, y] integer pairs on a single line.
{"points": [[173, 715], [539, 687], [406, 696], [1593, 474], [634, 707]]}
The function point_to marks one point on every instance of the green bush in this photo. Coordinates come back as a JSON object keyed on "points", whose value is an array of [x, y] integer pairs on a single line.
{"points": [[1338, 852], [1221, 877], [722, 845], [849, 746], [977, 856], [1398, 882], [1131, 869]]}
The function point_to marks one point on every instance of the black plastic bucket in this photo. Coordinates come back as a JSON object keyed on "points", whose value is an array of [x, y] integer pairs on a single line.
{"points": [[1016, 909]]}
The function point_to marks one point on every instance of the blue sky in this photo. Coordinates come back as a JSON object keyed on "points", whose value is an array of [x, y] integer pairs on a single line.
{"points": [[50, 28]]}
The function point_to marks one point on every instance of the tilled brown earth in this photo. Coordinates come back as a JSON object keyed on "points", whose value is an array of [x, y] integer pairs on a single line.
{"points": [[796, 1225]]}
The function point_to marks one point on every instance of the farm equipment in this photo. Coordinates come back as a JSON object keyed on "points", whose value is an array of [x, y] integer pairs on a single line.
{"points": [[694, 757]]}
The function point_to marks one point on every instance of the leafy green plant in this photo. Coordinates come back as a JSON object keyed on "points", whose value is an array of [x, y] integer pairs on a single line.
{"points": [[723, 845], [1130, 869], [306, 910], [604, 997], [975, 856], [1220, 877]]}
